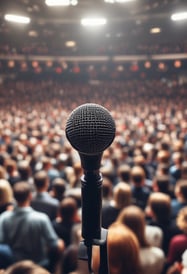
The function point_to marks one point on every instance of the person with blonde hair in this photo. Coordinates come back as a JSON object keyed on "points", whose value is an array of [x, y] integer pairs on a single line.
{"points": [[121, 198], [6, 196], [152, 258], [158, 213]]}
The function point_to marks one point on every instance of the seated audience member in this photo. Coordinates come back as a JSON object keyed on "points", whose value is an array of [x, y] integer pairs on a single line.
{"points": [[33, 236], [2, 172], [24, 171], [184, 170], [50, 169], [107, 191], [6, 196], [124, 173], [25, 267], [181, 197], [58, 188], [68, 217], [140, 192], [121, 198], [178, 243], [42, 200], [176, 167], [12, 172], [152, 258], [122, 249], [162, 183], [159, 214]]}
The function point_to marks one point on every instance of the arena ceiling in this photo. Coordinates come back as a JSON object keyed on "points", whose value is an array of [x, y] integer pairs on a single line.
{"points": [[127, 23]]}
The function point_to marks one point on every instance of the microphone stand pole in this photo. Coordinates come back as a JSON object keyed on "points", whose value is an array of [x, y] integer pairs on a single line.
{"points": [[92, 233]]}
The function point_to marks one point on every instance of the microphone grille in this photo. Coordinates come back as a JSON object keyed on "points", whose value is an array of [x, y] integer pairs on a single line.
{"points": [[90, 129]]}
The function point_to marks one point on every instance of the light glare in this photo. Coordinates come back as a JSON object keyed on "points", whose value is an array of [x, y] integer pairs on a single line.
{"points": [[61, 2], [118, 1], [155, 30], [179, 16], [17, 19], [93, 21]]}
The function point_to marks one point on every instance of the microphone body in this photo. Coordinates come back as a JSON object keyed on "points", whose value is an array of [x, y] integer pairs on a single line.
{"points": [[90, 129]]}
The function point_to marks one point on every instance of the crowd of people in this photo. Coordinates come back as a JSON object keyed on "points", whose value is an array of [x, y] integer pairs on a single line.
{"points": [[144, 172]]}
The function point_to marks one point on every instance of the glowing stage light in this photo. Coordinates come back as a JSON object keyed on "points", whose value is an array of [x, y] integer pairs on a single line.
{"points": [[53, 3], [17, 18], [179, 16], [93, 21]]}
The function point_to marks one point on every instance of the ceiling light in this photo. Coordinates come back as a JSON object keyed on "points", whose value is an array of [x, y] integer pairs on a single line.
{"points": [[33, 33], [118, 1], [61, 2], [93, 21], [179, 16], [155, 30], [17, 18], [70, 44]]}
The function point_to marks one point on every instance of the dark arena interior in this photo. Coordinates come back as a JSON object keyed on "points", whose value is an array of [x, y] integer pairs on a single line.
{"points": [[93, 136]]}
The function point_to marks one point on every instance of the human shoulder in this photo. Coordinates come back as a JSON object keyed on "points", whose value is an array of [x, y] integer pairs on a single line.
{"points": [[6, 214], [39, 216], [153, 251]]}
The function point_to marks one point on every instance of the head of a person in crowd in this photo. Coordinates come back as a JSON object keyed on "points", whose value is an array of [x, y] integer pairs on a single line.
{"points": [[62, 160], [134, 217], [58, 188], [178, 145], [25, 267], [11, 166], [137, 176], [2, 172], [181, 190], [122, 195], [46, 163], [108, 172], [24, 169], [159, 207], [68, 210], [161, 183], [107, 189], [6, 193], [124, 173], [181, 220], [163, 156], [184, 170], [139, 160], [22, 193], [123, 250], [177, 158], [162, 169], [41, 181]]}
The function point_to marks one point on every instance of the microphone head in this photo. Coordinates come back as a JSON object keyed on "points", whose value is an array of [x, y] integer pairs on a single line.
{"points": [[90, 129]]}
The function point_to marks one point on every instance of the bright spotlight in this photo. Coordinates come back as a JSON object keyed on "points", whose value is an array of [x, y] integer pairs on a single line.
{"points": [[155, 30], [179, 16], [93, 21], [118, 1], [17, 18], [54, 3]]}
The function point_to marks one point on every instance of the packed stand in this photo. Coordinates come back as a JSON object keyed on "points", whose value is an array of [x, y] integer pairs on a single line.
{"points": [[144, 174]]}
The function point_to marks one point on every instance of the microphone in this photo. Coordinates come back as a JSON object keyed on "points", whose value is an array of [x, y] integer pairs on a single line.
{"points": [[90, 129]]}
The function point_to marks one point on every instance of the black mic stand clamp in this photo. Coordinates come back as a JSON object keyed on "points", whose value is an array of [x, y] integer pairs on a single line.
{"points": [[92, 233]]}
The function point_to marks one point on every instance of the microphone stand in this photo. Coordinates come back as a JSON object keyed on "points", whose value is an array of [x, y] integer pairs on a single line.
{"points": [[92, 233]]}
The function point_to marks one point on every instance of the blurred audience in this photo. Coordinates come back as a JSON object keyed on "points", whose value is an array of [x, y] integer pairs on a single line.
{"points": [[145, 166]]}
